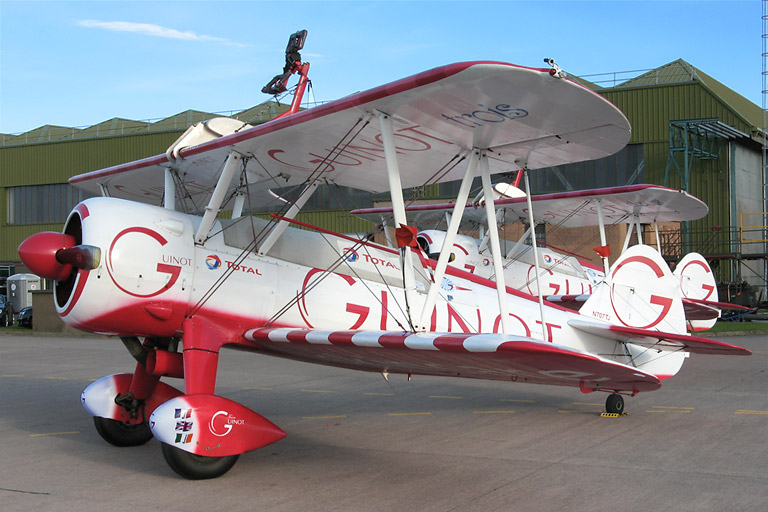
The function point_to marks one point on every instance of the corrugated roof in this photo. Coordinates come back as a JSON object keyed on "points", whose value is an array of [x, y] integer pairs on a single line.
{"points": [[119, 126], [114, 126], [680, 71]]}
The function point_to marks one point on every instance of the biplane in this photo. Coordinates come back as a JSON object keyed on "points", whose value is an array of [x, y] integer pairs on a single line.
{"points": [[177, 287], [566, 277]]}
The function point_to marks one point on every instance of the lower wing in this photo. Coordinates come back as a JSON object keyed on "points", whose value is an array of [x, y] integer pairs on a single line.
{"points": [[482, 356]]}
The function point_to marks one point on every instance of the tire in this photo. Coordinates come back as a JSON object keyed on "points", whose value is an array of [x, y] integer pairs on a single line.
{"points": [[196, 467], [614, 404], [122, 434]]}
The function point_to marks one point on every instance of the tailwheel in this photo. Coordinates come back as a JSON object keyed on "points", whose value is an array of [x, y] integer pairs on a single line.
{"points": [[196, 467], [119, 433], [614, 404]]}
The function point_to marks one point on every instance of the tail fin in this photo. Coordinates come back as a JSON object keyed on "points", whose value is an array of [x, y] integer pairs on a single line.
{"points": [[640, 292], [697, 283]]}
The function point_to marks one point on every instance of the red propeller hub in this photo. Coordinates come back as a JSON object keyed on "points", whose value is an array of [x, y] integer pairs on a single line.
{"points": [[38, 252]]}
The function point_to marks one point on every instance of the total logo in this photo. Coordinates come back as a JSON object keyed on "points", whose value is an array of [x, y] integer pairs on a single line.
{"points": [[222, 422], [213, 262], [548, 258], [350, 254]]}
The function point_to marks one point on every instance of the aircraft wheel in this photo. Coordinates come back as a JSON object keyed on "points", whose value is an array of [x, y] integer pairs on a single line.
{"points": [[119, 433], [614, 404], [196, 467]]}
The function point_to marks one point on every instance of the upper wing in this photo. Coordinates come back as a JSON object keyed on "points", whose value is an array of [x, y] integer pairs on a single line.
{"points": [[485, 356], [657, 339], [524, 116], [651, 203]]}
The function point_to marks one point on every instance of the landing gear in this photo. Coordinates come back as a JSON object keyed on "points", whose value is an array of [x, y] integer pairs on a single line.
{"points": [[196, 467], [119, 433], [614, 404]]}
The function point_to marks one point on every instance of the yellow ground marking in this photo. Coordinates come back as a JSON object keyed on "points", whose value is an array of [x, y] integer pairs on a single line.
{"points": [[56, 378], [513, 400], [55, 434], [587, 403], [261, 389], [744, 411], [409, 414], [581, 412], [322, 417], [610, 415], [447, 396], [671, 407], [379, 394], [493, 412], [673, 411], [316, 391]]}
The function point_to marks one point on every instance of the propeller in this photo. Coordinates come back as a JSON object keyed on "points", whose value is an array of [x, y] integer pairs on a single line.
{"points": [[54, 255]]}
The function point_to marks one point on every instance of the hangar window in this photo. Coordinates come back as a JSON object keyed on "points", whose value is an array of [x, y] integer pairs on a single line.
{"points": [[42, 204]]}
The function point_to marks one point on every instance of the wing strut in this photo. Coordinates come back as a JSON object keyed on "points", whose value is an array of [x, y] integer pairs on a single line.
{"points": [[450, 237], [386, 231], [169, 195], [512, 252], [630, 227], [493, 231], [603, 242], [658, 238], [290, 214], [217, 198], [237, 208], [398, 205], [535, 253]]}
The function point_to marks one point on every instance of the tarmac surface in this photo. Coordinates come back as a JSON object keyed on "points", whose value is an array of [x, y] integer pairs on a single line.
{"points": [[358, 443]]}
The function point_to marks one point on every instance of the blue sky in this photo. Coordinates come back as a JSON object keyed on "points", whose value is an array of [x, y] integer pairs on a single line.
{"points": [[77, 63]]}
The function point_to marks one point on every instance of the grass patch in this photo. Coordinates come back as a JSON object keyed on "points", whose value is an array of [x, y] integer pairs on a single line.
{"points": [[739, 327], [15, 328]]}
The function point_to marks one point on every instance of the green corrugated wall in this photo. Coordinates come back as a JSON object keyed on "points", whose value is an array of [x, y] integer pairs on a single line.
{"points": [[649, 110], [56, 162]]}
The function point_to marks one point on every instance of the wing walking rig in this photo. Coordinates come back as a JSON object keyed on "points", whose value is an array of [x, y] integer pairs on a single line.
{"points": [[154, 263]]}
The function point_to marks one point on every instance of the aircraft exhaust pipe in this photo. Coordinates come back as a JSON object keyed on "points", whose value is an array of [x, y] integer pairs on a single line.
{"points": [[84, 257]]}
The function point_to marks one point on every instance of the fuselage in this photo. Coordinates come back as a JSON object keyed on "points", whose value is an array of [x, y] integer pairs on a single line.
{"points": [[152, 276]]}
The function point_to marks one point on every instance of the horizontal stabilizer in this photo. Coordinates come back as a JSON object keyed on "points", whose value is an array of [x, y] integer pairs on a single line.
{"points": [[573, 302], [696, 309], [657, 339], [487, 356]]}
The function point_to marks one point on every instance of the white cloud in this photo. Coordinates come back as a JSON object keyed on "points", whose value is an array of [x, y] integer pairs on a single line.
{"points": [[153, 30]]}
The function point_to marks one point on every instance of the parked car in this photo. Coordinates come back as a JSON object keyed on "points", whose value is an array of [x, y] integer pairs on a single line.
{"points": [[25, 317]]}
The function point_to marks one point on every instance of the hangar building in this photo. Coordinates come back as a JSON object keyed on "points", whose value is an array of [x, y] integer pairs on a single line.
{"points": [[689, 131]]}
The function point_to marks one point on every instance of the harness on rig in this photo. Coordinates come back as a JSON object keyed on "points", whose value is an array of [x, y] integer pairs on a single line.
{"points": [[279, 84]]}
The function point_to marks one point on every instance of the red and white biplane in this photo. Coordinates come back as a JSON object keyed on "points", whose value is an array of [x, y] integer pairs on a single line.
{"points": [[134, 265], [566, 278]]}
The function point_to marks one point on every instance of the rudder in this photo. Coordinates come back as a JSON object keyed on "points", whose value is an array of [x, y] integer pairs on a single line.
{"points": [[641, 292]]}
